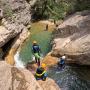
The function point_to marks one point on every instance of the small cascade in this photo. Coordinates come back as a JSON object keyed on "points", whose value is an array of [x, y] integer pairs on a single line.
{"points": [[18, 61]]}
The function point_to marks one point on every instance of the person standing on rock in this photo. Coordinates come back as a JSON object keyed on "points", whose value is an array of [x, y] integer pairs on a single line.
{"points": [[36, 52], [47, 27]]}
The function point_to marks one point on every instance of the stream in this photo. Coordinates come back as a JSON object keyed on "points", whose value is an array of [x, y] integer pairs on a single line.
{"points": [[72, 77]]}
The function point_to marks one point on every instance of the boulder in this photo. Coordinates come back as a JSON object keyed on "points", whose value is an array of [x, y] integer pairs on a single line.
{"points": [[12, 78], [17, 11], [73, 38], [17, 16]]}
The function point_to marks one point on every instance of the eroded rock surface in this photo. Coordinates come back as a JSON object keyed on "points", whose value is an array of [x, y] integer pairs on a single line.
{"points": [[12, 78], [73, 38], [17, 16], [49, 84]]}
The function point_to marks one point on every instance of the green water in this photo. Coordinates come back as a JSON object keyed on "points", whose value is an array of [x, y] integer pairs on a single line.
{"points": [[43, 38]]}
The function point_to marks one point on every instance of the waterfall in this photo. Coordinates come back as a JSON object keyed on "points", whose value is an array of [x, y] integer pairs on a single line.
{"points": [[18, 61]]}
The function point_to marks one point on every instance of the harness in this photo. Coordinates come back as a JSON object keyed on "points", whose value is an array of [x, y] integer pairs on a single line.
{"points": [[39, 75]]}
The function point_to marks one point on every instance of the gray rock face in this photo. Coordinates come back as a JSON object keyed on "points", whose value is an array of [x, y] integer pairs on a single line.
{"points": [[9, 31], [22, 9], [73, 38], [49, 84], [17, 10], [17, 14]]}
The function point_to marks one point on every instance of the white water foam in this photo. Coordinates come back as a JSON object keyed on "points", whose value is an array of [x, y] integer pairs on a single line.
{"points": [[18, 61]]}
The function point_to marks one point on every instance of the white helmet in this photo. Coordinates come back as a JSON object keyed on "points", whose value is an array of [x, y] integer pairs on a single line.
{"points": [[63, 57]]}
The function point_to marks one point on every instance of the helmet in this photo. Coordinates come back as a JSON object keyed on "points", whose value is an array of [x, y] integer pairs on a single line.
{"points": [[43, 65], [63, 57], [34, 42]]}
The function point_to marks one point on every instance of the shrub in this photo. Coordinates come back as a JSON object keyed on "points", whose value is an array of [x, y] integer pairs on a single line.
{"points": [[58, 9], [6, 8], [8, 11]]}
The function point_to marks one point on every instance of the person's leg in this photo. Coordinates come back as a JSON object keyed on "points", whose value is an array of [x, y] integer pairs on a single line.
{"points": [[38, 62], [63, 66], [38, 56], [36, 59]]}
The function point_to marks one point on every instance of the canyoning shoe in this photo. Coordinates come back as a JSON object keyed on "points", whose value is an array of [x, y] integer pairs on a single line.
{"points": [[44, 77]]}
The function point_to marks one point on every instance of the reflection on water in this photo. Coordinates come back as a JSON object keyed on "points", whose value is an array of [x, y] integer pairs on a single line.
{"points": [[71, 77]]}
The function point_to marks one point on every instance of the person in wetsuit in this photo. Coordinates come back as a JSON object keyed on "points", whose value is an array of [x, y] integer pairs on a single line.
{"points": [[36, 52], [41, 73], [61, 63]]}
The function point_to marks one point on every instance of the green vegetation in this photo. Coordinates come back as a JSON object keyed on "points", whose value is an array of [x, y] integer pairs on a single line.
{"points": [[58, 9], [7, 10]]}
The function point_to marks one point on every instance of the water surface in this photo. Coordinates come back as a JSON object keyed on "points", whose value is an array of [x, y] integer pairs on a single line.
{"points": [[72, 77]]}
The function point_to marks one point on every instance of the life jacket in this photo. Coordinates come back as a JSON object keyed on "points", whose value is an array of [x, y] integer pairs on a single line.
{"points": [[36, 48], [62, 61], [40, 72]]}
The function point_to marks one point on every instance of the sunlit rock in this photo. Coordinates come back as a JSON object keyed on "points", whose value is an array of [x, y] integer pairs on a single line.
{"points": [[73, 38]]}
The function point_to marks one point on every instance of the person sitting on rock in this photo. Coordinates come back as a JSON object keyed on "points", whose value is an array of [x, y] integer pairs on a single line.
{"points": [[36, 51], [41, 73], [61, 63]]}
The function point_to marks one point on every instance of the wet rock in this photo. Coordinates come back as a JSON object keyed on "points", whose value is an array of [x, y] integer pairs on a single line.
{"points": [[16, 45], [49, 84], [50, 60], [73, 38], [12, 78]]}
